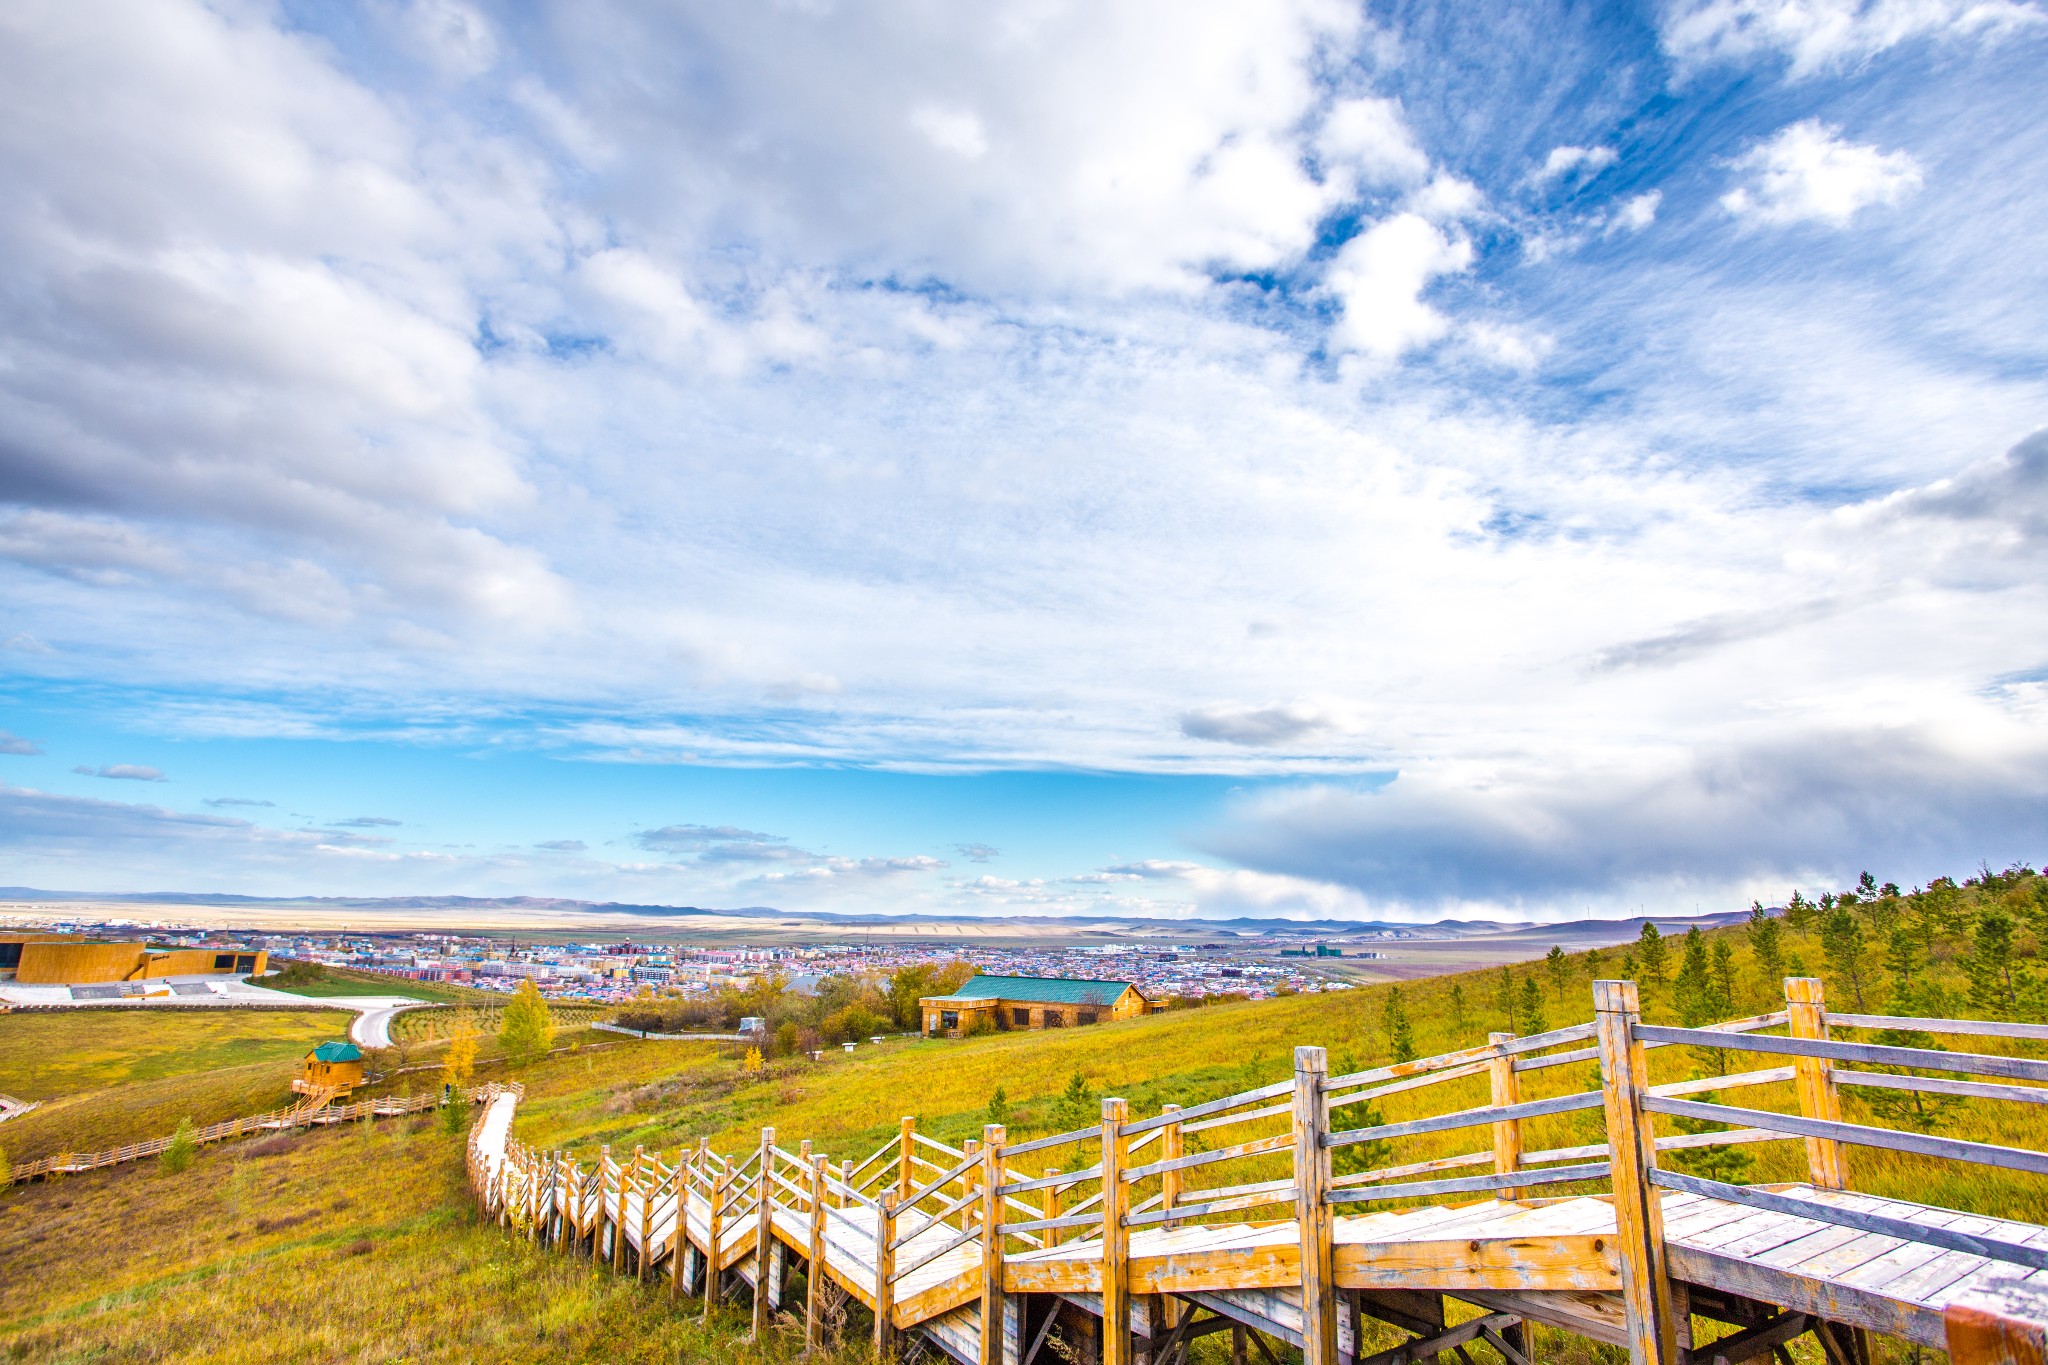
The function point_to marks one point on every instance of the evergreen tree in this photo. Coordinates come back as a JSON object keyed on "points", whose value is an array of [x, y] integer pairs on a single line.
{"points": [[1866, 887], [1724, 978], [1767, 944], [1076, 1107], [1360, 1157], [1400, 1036], [1628, 965], [1560, 969], [1841, 942], [1799, 913], [1729, 1164], [1989, 965], [1695, 987], [1652, 953], [524, 1030], [1532, 1006], [1504, 998], [1593, 964], [1902, 959], [1460, 1020], [999, 1106]]}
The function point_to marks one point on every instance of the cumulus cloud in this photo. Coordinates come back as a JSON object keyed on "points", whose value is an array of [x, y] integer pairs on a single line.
{"points": [[977, 853], [1570, 160], [11, 743], [1637, 212], [1248, 725], [131, 772], [1820, 35], [1808, 172], [1768, 811], [1379, 278]]}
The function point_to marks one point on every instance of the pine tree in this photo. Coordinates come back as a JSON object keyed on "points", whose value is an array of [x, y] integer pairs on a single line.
{"points": [[1724, 978], [1593, 964], [1560, 969], [1694, 993], [524, 1030], [999, 1106], [1360, 1157], [1799, 913], [1651, 951], [1400, 1036], [1767, 944], [1504, 998], [1841, 941], [1076, 1106], [1532, 1006], [1989, 964], [1460, 1020]]}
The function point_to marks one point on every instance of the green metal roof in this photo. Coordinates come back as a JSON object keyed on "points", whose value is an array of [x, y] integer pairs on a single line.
{"points": [[1047, 990], [337, 1052]]}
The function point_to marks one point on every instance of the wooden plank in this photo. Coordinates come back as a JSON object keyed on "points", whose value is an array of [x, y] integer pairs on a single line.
{"points": [[1534, 1262], [1995, 1028], [1506, 1093], [1826, 1158], [1922, 1144], [1935, 1085], [1969, 1063], [1998, 1324], [1218, 1106], [1416, 1189], [1467, 1118], [885, 1273]]}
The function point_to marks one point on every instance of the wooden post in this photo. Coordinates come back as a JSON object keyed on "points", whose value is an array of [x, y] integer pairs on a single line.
{"points": [[1507, 1089], [642, 1184], [1805, 1005], [992, 1139], [970, 1181], [612, 1178], [1638, 1215], [814, 1274], [1312, 1209], [764, 1230], [1171, 1148], [1054, 1197], [905, 1145], [715, 1226], [680, 1252], [885, 1271], [1116, 1238]]}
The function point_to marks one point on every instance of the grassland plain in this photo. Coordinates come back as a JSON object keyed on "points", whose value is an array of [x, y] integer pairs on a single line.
{"points": [[322, 982]]}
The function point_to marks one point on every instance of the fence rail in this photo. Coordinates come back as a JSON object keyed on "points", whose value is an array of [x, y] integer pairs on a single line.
{"points": [[927, 1214]]}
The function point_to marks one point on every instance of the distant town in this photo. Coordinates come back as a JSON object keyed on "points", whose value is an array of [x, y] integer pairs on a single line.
{"points": [[616, 971]]}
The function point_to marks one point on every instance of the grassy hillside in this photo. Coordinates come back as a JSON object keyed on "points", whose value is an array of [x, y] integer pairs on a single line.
{"points": [[383, 1231], [324, 982], [69, 1052], [336, 1246]]}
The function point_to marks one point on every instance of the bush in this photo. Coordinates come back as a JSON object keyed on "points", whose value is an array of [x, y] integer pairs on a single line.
{"points": [[526, 1028], [177, 1157]]}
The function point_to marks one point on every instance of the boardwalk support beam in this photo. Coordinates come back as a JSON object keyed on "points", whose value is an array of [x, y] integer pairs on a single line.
{"points": [[1116, 1238], [992, 1140]]}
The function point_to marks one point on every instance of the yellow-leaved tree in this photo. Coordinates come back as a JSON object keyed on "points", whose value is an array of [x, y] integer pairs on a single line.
{"points": [[526, 1027]]}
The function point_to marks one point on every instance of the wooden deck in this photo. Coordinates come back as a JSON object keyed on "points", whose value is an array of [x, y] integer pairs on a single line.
{"points": [[904, 1233]]}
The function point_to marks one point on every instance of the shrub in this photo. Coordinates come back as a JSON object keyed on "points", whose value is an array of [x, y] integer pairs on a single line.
{"points": [[177, 1157], [524, 1033]]}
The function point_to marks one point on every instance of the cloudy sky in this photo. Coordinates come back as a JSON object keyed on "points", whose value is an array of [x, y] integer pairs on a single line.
{"points": [[1298, 458]]}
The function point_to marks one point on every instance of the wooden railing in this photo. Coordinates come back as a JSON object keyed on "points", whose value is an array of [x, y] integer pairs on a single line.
{"points": [[1270, 1154], [298, 1116]]}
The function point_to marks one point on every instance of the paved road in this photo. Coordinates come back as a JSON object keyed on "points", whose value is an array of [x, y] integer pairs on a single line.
{"points": [[372, 1027]]}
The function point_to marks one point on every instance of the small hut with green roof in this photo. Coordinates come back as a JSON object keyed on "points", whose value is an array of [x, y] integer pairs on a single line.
{"points": [[330, 1067]]}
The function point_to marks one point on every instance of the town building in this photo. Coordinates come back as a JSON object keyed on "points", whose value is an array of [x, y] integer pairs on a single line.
{"points": [[36, 960], [1029, 1002]]}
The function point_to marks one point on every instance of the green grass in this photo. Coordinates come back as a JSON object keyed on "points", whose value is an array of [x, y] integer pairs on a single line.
{"points": [[323, 982], [43, 1056], [352, 1246], [438, 1025]]}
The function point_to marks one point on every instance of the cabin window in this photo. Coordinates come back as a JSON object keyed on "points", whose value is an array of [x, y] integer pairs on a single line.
{"points": [[1021, 1018], [949, 1019], [223, 962], [10, 954], [246, 962], [1055, 1018], [1086, 1017]]}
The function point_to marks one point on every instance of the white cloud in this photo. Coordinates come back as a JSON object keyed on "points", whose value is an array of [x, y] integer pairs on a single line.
{"points": [[1807, 172], [1368, 140], [1636, 212], [1818, 35], [958, 131], [1568, 160], [1254, 726], [1379, 278]]}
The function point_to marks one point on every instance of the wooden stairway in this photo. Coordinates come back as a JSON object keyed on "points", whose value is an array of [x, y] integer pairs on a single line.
{"points": [[1122, 1252]]}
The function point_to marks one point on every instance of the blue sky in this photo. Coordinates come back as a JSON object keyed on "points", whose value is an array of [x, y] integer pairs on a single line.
{"points": [[1303, 459]]}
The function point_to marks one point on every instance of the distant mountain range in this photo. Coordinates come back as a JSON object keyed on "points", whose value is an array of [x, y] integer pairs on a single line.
{"points": [[424, 911]]}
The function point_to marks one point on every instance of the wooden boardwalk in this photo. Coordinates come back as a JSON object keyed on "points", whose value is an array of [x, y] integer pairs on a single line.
{"points": [[1123, 1256]]}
